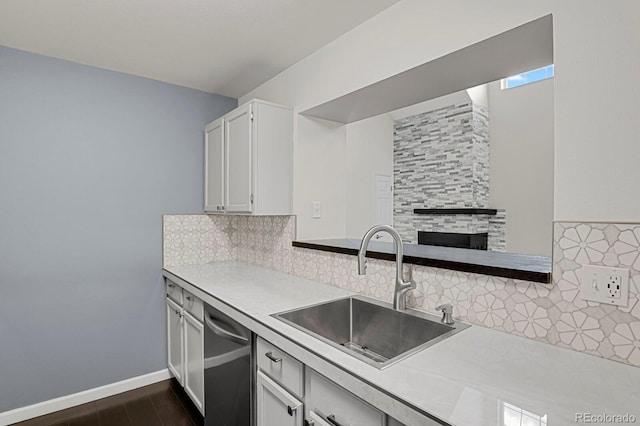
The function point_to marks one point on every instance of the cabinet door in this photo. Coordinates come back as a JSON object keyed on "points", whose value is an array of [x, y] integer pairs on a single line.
{"points": [[214, 167], [238, 146], [194, 360], [174, 340], [275, 406]]}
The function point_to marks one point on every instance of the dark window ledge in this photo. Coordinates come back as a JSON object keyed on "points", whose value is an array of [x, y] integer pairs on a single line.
{"points": [[509, 265]]}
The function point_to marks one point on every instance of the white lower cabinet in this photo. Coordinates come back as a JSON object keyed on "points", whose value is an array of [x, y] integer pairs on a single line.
{"points": [[275, 406], [288, 393], [174, 340], [285, 386], [337, 406], [185, 343], [194, 360]]}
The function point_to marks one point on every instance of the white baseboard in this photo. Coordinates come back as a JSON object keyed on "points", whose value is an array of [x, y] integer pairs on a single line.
{"points": [[64, 402]]}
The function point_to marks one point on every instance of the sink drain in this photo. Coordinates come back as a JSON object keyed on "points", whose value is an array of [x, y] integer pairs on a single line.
{"points": [[364, 351]]}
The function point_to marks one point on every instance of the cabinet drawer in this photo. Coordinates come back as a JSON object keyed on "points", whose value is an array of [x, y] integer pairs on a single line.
{"points": [[280, 366], [327, 399], [193, 305], [174, 291]]}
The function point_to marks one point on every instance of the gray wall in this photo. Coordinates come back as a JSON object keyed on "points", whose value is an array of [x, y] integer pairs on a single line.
{"points": [[89, 161]]}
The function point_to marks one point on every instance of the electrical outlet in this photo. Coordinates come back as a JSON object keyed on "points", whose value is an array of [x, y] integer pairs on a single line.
{"points": [[613, 286], [605, 285]]}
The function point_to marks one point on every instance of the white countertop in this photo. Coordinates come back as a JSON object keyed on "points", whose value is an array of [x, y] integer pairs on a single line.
{"points": [[472, 378]]}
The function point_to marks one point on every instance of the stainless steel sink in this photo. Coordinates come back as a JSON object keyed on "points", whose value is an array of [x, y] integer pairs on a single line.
{"points": [[370, 330]]}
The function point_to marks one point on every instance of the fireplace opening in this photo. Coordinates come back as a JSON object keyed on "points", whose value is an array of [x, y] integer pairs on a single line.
{"points": [[454, 239]]}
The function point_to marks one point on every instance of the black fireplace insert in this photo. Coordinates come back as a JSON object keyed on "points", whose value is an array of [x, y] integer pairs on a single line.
{"points": [[454, 239]]}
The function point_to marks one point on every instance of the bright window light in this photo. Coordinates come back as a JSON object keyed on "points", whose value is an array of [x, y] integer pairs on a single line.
{"points": [[516, 416], [527, 77]]}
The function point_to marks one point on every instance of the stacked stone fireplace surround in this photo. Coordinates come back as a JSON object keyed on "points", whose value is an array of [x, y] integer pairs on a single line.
{"points": [[441, 161]]}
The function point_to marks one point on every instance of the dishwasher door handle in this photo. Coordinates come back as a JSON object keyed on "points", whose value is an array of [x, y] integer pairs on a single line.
{"points": [[220, 331]]}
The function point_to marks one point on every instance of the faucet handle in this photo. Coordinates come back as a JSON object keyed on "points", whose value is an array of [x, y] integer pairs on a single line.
{"points": [[447, 313]]}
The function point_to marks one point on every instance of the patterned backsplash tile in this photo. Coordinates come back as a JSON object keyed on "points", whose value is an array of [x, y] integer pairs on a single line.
{"points": [[193, 239], [552, 313]]}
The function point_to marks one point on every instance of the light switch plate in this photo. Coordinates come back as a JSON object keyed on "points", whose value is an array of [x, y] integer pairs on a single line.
{"points": [[605, 285]]}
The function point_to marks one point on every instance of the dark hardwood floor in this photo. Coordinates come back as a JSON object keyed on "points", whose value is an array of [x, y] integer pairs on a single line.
{"points": [[163, 403]]}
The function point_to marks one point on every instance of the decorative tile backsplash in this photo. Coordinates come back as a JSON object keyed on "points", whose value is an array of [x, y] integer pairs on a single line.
{"points": [[263, 240], [607, 331], [193, 239], [549, 313]]}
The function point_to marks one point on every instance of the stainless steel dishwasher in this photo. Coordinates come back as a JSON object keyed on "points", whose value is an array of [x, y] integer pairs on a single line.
{"points": [[228, 371]]}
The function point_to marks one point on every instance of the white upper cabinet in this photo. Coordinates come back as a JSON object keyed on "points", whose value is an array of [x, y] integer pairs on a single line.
{"points": [[214, 172], [239, 170], [249, 161]]}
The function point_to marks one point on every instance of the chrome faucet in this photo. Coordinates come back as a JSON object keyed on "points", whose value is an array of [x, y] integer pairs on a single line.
{"points": [[402, 286]]}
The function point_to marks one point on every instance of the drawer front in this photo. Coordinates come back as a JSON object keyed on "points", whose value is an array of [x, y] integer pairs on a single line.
{"points": [[329, 400], [193, 305], [280, 366], [174, 291]]}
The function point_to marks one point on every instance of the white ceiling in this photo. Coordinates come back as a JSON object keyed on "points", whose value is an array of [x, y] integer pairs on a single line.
{"points": [[219, 46]]}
